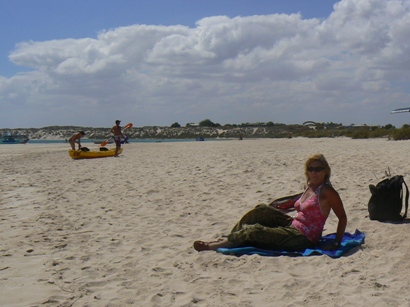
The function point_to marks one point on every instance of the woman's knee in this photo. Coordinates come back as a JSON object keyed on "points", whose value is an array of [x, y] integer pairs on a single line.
{"points": [[261, 206]]}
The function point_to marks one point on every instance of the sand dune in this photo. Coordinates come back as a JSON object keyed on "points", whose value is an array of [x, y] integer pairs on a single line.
{"points": [[119, 231]]}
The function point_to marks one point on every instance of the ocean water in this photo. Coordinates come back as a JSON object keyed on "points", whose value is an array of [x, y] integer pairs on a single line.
{"points": [[130, 141]]}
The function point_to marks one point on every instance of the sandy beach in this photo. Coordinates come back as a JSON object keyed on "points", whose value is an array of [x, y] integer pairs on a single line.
{"points": [[119, 231]]}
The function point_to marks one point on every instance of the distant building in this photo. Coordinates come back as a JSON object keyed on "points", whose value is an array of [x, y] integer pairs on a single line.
{"points": [[192, 125]]}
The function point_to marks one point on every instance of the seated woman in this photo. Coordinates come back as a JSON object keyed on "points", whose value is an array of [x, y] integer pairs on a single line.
{"points": [[269, 228]]}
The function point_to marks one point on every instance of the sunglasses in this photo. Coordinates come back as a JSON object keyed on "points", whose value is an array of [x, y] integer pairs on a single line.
{"points": [[317, 169]]}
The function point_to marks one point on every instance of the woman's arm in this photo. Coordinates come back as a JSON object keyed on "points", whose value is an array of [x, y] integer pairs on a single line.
{"points": [[334, 202]]}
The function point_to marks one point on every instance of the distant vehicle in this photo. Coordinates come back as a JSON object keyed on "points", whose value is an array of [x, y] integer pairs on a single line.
{"points": [[125, 140], [9, 138]]}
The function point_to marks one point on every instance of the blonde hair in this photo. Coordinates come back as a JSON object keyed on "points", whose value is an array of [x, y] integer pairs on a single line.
{"points": [[322, 160]]}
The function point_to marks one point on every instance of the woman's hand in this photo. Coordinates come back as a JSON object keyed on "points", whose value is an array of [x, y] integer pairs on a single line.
{"points": [[331, 247]]}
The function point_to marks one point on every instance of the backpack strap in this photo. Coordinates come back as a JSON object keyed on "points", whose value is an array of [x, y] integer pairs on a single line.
{"points": [[407, 200]]}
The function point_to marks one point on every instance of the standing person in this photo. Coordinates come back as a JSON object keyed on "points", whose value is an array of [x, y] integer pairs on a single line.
{"points": [[267, 227], [76, 139], [116, 130]]}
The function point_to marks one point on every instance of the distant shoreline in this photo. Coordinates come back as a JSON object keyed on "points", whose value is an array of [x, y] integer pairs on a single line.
{"points": [[221, 132]]}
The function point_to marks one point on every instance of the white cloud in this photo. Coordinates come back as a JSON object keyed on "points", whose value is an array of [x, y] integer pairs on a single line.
{"points": [[279, 68]]}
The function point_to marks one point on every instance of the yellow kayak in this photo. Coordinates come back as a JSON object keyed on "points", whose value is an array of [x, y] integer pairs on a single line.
{"points": [[78, 154]]}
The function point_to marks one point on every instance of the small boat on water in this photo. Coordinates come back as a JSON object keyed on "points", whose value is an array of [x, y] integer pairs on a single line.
{"points": [[79, 154], [9, 138]]}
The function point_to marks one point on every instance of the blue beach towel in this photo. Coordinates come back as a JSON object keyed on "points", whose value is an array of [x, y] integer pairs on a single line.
{"points": [[349, 241]]}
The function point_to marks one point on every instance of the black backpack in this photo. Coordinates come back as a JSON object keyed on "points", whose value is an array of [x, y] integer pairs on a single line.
{"points": [[386, 201]]}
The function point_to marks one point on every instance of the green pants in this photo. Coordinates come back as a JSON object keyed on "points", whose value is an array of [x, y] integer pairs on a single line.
{"points": [[267, 227]]}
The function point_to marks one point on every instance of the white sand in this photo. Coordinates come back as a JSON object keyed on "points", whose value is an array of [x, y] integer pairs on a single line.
{"points": [[119, 231]]}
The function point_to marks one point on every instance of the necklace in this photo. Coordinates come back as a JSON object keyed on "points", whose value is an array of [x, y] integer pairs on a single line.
{"points": [[308, 196]]}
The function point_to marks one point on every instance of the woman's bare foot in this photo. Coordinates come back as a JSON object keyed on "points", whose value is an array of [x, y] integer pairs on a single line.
{"points": [[214, 245]]}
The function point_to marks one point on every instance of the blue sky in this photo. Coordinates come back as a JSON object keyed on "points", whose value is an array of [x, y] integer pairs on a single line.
{"points": [[157, 62]]}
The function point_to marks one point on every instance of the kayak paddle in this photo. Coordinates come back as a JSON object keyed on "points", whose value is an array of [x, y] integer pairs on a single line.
{"points": [[127, 126]]}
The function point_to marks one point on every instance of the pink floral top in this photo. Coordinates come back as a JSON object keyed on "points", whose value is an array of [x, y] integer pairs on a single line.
{"points": [[309, 219]]}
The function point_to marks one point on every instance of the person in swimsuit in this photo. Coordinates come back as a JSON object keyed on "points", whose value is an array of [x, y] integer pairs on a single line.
{"points": [[269, 228], [76, 139], [116, 130]]}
